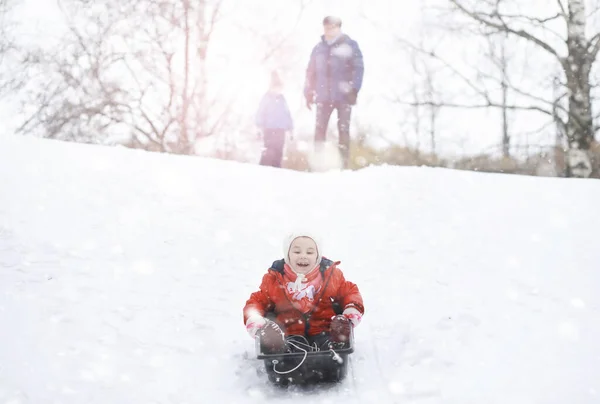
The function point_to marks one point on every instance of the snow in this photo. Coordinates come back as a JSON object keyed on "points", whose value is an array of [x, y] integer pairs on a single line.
{"points": [[123, 275]]}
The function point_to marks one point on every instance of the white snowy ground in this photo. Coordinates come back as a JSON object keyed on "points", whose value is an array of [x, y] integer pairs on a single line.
{"points": [[123, 275]]}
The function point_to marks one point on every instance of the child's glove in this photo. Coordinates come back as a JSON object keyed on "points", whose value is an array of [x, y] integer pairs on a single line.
{"points": [[254, 324], [353, 315], [272, 338], [340, 329]]}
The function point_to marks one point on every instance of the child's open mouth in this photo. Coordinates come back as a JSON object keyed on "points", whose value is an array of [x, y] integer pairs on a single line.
{"points": [[302, 264]]}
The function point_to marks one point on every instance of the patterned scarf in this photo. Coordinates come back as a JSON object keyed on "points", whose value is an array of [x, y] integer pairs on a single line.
{"points": [[302, 289]]}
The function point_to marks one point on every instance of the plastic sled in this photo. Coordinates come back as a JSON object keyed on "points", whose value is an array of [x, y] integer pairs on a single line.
{"points": [[305, 365]]}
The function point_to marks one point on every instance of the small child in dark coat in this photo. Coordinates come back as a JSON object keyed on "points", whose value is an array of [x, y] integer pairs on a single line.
{"points": [[273, 118]]}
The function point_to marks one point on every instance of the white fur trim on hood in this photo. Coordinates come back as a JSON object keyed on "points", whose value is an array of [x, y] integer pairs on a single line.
{"points": [[287, 243]]}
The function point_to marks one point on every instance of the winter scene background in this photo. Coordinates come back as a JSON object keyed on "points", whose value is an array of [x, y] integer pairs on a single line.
{"points": [[504, 86], [130, 237]]}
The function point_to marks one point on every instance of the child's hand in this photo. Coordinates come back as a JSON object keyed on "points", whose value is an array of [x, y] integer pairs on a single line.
{"points": [[340, 329], [254, 324], [272, 337], [353, 315]]}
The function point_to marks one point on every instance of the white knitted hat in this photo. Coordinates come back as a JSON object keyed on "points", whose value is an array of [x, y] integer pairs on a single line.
{"points": [[287, 244]]}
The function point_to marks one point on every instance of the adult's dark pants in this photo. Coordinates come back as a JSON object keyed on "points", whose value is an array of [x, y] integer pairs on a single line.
{"points": [[272, 154], [344, 111]]}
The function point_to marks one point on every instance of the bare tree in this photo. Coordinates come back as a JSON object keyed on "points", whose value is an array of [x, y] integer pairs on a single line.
{"points": [[485, 84], [431, 95], [140, 71], [416, 97], [4, 9], [136, 69], [574, 50], [498, 56], [10, 78], [424, 92], [425, 99]]}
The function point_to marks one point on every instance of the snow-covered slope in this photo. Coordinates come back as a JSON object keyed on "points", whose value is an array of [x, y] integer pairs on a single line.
{"points": [[123, 275]]}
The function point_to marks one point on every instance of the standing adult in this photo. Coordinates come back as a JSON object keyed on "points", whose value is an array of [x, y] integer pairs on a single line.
{"points": [[334, 78]]}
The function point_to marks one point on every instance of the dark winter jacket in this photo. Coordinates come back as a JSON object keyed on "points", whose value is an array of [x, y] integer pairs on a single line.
{"points": [[334, 71], [274, 113]]}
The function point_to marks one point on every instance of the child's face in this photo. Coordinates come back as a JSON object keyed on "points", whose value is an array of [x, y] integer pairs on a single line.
{"points": [[303, 255]]}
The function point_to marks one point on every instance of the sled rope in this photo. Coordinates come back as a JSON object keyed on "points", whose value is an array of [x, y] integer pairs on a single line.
{"points": [[275, 362], [306, 344], [336, 356]]}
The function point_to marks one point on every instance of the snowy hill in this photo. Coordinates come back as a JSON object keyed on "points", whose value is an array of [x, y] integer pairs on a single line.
{"points": [[123, 275]]}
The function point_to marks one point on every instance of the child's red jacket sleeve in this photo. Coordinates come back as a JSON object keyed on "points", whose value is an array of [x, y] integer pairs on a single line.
{"points": [[260, 301], [349, 295]]}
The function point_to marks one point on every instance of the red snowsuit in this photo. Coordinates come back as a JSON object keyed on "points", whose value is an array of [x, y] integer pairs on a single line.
{"points": [[272, 296]]}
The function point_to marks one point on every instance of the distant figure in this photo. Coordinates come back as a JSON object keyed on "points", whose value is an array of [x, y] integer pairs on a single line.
{"points": [[273, 118], [333, 79]]}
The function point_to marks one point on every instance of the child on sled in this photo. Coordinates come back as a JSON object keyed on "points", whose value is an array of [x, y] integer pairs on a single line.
{"points": [[301, 293]]}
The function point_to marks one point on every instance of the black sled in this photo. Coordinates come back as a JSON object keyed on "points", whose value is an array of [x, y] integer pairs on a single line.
{"points": [[307, 365]]}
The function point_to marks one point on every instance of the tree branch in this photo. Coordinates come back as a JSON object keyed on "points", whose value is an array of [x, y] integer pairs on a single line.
{"points": [[523, 93], [475, 106], [563, 11], [594, 46], [596, 127], [435, 56], [214, 18], [269, 53], [481, 92], [503, 26], [540, 21]]}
